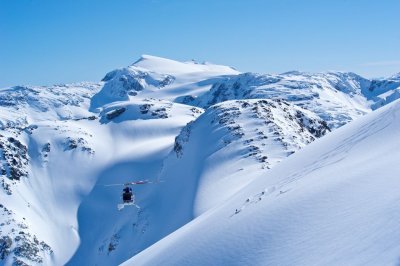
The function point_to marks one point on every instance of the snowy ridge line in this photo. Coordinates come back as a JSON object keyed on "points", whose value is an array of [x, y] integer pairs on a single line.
{"points": [[256, 133]]}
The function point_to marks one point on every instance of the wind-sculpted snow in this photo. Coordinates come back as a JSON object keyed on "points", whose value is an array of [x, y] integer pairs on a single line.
{"points": [[337, 197]]}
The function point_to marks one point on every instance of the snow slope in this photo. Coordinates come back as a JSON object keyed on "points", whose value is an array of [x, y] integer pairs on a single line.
{"points": [[140, 140], [333, 203], [242, 136], [212, 153]]}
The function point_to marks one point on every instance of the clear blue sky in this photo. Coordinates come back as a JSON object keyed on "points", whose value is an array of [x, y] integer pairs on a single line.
{"points": [[54, 41]]}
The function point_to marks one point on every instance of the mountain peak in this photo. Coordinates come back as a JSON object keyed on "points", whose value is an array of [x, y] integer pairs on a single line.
{"points": [[292, 72], [172, 67], [145, 58]]}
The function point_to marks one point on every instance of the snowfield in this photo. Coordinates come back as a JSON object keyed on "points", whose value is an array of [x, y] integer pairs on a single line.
{"points": [[234, 178]]}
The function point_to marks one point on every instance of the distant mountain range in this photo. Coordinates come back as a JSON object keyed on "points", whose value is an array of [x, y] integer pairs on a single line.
{"points": [[232, 177]]}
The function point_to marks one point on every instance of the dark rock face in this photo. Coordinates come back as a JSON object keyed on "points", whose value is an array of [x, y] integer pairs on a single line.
{"points": [[145, 108], [5, 186], [19, 242], [121, 84], [186, 99], [14, 158], [46, 150], [115, 113], [182, 138], [46, 147], [30, 248], [72, 144], [166, 81], [273, 122], [160, 112], [5, 246]]}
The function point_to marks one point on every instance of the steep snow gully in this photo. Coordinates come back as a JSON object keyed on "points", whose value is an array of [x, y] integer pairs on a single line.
{"points": [[244, 167]]}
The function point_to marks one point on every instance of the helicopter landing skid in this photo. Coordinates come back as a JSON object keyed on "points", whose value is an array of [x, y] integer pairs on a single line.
{"points": [[123, 205]]}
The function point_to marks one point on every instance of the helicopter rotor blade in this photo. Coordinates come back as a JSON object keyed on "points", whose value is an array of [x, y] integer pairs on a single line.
{"points": [[113, 185], [140, 182]]}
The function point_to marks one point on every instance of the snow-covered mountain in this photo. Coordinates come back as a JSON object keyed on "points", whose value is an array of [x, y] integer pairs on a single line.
{"points": [[384, 91], [254, 134], [204, 133], [336, 97], [160, 78], [333, 203]]}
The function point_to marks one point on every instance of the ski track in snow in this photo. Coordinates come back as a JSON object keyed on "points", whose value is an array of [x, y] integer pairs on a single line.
{"points": [[327, 159]]}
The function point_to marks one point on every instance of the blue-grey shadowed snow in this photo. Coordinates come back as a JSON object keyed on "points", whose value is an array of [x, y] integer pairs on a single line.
{"points": [[108, 235]]}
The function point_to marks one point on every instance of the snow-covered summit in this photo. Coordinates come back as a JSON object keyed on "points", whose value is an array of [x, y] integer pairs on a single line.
{"points": [[157, 77], [175, 68]]}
